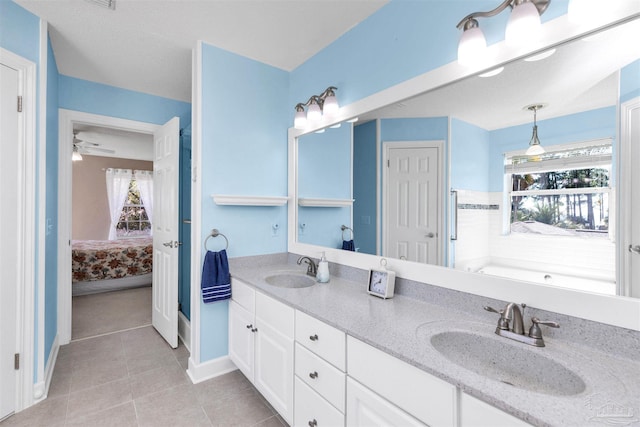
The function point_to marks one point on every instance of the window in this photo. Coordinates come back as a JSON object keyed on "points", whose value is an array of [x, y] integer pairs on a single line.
{"points": [[133, 219], [563, 192]]}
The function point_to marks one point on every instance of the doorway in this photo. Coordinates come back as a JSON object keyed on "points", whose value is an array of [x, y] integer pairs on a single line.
{"points": [[67, 121], [412, 201]]}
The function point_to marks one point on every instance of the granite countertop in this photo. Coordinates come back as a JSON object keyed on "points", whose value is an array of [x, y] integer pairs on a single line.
{"points": [[403, 327]]}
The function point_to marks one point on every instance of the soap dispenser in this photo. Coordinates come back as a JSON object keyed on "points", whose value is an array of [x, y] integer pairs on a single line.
{"points": [[323, 270]]}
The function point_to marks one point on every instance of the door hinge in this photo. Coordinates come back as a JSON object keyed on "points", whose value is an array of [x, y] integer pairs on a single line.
{"points": [[19, 104], [16, 361], [179, 306], [388, 163]]}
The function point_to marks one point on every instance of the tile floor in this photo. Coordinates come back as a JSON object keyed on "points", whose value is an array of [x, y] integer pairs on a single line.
{"points": [[133, 378]]}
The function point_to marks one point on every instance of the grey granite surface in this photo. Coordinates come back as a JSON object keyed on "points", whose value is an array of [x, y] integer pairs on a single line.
{"points": [[605, 358]]}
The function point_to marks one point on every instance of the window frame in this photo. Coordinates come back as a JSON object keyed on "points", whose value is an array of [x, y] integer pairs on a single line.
{"points": [[128, 205], [561, 164]]}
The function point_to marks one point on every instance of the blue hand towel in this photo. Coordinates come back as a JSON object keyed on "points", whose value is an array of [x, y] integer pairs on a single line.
{"points": [[216, 280], [348, 245]]}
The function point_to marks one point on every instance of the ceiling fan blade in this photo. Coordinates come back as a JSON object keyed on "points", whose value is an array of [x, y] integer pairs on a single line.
{"points": [[81, 142], [103, 150]]}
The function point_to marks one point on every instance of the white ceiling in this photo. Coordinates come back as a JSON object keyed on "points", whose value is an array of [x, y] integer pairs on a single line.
{"points": [[145, 45], [125, 144]]}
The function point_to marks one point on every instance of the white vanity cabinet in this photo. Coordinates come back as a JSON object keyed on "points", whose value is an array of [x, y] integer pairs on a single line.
{"points": [[476, 413], [261, 335], [319, 373], [405, 390]]}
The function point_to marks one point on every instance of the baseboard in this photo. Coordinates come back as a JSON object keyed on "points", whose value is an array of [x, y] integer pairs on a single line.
{"points": [[184, 330], [209, 369], [41, 388]]}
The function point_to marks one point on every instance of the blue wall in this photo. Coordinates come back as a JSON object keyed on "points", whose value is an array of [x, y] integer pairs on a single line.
{"points": [[96, 98], [469, 157], [594, 124], [51, 237], [364, 173], [401, 40], [244, 152], [630, 81]]}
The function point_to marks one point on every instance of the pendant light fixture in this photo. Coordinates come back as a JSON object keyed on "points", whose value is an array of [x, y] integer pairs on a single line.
{"points": [[76, 156], [523, 28], [535, 149]]}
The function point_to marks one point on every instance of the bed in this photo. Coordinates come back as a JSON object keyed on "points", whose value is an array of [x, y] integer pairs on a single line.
{"points": [[106, 265]]}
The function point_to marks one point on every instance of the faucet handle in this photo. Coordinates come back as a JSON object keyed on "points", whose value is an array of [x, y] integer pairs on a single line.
{"points": [[503, 322], [535, 332]]}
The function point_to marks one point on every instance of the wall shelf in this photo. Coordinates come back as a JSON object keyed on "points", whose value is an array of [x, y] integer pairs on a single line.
{"points": [[325, 203], [228, 200]]}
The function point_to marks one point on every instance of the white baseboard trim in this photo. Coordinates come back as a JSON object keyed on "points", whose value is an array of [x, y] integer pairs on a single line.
{"points": [[41, 389], [184, 330], [209, 369]]}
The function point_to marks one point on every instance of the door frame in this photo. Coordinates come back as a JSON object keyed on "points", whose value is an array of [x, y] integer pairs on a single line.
{"points": [[25, 309], [67, 118], [388, 145]]}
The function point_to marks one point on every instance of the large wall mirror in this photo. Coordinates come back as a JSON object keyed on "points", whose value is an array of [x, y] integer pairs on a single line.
{"points": [[443, 178]]}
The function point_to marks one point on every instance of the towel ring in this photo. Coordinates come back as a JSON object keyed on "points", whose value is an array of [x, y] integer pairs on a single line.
{"points": [[345, 228], [216, 233]]}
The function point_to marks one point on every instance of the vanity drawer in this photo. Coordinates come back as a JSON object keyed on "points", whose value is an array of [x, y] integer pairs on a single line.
{"points": [[243, 294], [310, 406], [322, 339], [422, 395], [320, 376]]}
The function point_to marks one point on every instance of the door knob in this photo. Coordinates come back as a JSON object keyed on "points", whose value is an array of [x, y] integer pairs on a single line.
{"points": [[168, 244], [430, 235]]}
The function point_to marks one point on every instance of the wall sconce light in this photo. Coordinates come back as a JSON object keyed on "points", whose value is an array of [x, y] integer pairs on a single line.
{"points": [[523, 27], [535, 149], [326, 103]]}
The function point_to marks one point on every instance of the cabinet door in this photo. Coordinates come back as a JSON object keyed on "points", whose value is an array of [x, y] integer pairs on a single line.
{"points": [[312, 410], [274, 368], [365, 408], [476, 413], [241, 339]]}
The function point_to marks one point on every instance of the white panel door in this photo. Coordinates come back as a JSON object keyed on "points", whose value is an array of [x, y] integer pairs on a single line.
{"points": [[165, 231], [413, 204], [9, 236]]}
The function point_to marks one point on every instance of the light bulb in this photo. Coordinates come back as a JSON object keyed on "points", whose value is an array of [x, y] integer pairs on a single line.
{"points": [[330, 106], [300, 120], [472, 48], [523, 27], [76, 157], [313, 112]]}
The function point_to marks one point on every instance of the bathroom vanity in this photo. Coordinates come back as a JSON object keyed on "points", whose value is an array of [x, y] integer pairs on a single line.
{"points": [[331, 354]]}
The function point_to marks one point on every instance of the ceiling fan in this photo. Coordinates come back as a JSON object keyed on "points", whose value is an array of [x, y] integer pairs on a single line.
{"points": [[81, 146]]}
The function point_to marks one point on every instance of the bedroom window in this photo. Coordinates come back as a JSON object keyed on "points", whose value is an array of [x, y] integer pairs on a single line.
{"points": [[134, 220], [563, 192]]}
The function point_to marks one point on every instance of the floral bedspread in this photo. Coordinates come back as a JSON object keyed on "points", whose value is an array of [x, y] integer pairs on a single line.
{"points": [[111, 259]]}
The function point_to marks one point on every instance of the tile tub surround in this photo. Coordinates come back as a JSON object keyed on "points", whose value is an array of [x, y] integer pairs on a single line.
{"points": [[607, 360]]}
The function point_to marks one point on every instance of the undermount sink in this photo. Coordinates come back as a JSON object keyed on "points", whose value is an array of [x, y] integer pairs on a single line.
{"points": [[510, 363], [290, 279]]}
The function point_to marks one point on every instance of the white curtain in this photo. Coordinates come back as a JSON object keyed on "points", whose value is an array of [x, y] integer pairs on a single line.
{"points": [[144, 180], [118, 181]]}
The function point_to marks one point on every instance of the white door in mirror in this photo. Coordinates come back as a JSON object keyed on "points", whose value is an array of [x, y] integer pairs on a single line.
{"points": [[381, 283]]}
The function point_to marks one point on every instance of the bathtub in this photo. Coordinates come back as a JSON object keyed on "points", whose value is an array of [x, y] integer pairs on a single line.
{"points": [[600, 286]]}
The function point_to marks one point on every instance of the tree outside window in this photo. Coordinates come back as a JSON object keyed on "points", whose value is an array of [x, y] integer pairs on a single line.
{"points": [[133, 219]]}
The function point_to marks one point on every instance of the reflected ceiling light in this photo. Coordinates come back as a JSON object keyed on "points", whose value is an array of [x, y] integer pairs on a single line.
{"points": [[76, 156], [523, 28], [493, 72], [336, 126], [326, 103], [535, 148], [540, 56], [320, 131], [355, 119]]}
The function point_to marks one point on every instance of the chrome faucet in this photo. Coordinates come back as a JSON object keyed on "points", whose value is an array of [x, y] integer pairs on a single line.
{"points": [[312, 268], [511, 325]]}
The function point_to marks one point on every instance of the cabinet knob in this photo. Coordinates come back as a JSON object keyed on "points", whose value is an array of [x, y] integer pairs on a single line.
{"points": [[249, 326], [254, 329], [313, 423], [313, 375], [314, 337]]}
